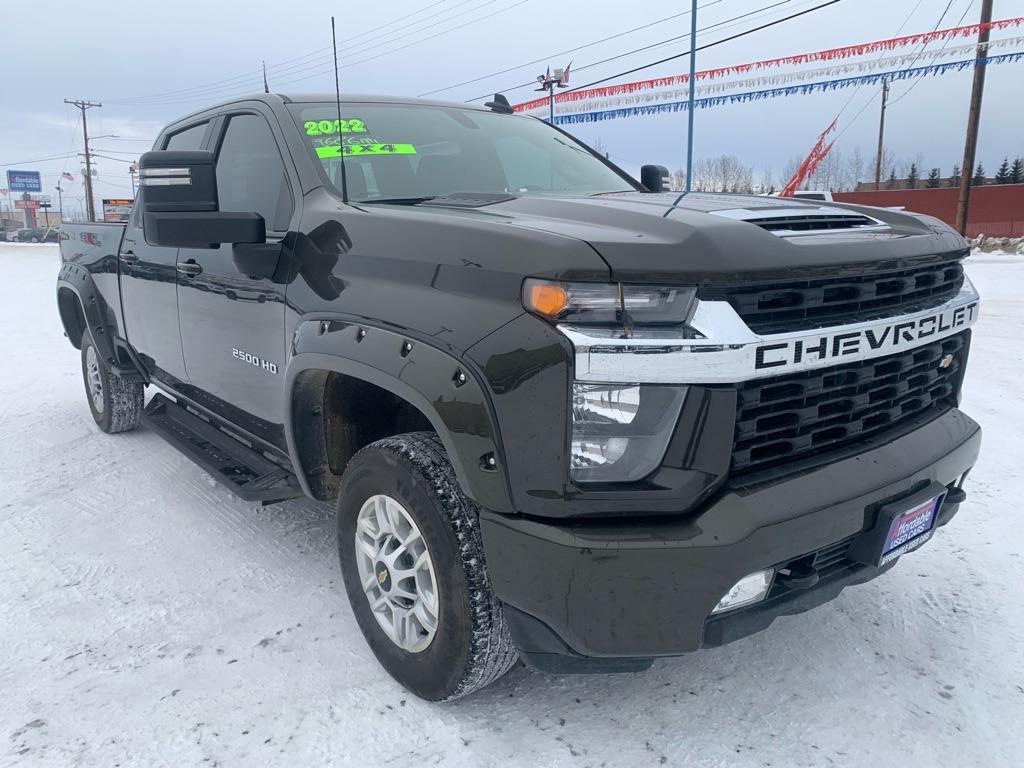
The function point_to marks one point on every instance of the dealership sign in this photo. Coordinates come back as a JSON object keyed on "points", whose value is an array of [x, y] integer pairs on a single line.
{"points": [[117, 209], [24, 181]]}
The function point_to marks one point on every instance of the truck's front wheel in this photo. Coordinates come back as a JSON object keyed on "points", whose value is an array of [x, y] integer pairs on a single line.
{"points": [[116, 404], [413, 567]]}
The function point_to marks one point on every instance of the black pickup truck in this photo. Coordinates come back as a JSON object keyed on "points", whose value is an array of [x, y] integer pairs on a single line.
{"points": [[565, 416]]}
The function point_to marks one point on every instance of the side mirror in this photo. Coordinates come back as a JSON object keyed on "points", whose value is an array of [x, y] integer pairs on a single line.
{"points": [[656, 178], [179, 203]]}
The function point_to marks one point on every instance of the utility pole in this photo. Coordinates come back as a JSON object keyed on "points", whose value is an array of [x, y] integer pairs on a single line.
{"points": [[693, 72], [973, 118], [60, 203], [881, 136], [83, 106]]}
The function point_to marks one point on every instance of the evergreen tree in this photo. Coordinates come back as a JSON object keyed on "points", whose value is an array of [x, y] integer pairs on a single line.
{"points": [[912, 176], [1017, 171], [979, 176], [891, 184], [954, 177], [934, 176], [1003, 174]]}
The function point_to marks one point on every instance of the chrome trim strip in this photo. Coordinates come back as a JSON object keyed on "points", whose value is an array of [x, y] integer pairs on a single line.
{"points": [[149, 173], [169, 181], [726, 351]]}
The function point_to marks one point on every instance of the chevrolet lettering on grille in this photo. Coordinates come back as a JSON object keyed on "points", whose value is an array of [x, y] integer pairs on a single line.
{"points": [[883, 338], [719, 347]]}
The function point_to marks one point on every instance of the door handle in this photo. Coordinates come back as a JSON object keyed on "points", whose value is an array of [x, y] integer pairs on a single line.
{"points": [[129, 257], [190, 268]]}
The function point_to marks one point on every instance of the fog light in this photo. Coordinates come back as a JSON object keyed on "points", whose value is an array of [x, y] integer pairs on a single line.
{"points": [[750, 589]]}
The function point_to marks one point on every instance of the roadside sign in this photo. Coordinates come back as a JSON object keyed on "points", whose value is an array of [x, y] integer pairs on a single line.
{"points": [[26, 204], [24, 181], [117, 209]]}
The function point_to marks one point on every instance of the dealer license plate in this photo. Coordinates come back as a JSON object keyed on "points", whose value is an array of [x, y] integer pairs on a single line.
{"points": [[909, 530]]}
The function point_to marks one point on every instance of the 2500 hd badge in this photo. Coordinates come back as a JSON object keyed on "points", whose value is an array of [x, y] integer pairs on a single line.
{"points": [[876, 340]]}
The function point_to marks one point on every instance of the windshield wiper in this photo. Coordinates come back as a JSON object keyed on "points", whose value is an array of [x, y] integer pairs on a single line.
{"points": [[397, 200]]}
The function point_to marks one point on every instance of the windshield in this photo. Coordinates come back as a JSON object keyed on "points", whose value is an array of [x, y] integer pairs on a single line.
{"points": [[404, 152]]}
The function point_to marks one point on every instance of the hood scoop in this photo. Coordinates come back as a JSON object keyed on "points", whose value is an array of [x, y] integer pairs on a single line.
{"points": [[803, 220]]}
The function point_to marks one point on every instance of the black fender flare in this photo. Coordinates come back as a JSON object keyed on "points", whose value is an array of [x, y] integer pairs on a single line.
{"points": [[99, 319], [445, 389]]}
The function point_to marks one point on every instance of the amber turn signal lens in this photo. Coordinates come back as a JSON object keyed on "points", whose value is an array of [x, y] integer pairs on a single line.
{"points": [[546, 298]]}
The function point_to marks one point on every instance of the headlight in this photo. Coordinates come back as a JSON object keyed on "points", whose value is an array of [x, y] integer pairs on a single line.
{"points": [[608, 303], [620, 432]]}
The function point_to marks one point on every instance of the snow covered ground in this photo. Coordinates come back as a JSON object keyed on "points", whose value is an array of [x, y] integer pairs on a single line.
{"points": [[147, 617]]}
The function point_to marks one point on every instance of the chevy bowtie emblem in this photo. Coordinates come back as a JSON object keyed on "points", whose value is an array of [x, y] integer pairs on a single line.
{"points": [[946, 361]]}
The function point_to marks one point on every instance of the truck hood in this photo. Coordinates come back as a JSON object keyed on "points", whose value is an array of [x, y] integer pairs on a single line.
{"points": [[722, 237]]}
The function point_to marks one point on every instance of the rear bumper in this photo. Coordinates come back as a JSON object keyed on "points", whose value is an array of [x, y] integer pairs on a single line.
{"points": [[611, 594]]}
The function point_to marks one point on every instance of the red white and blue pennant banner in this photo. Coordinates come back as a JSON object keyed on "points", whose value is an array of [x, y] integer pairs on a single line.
{"points": [[830, 54], [754, 83], [792, 90]]}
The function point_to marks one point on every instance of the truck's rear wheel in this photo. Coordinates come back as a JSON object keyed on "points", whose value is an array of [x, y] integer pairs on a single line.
{"points": [[116, 404], [414, 571]]}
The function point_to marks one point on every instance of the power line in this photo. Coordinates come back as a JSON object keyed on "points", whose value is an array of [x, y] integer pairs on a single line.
{"points": [[327, 69], [37, 160], [726, 23], [944, 45], [315, 60], [857, 89], [325, 65], [568, 51], [116, 159], [273, 67], [706, 46], [415, 42]]}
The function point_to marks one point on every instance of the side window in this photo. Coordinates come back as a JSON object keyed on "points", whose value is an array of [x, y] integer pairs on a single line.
{"points": [[190, 138], [250, 172]]}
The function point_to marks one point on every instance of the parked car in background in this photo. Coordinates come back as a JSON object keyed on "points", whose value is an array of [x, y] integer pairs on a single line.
{"points": [[814, 194], [35, 235]]}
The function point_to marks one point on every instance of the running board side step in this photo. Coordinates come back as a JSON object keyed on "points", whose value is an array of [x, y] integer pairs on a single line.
{"points": [[247, 473]]}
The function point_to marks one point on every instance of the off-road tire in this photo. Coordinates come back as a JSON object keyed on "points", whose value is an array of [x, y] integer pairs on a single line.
{"points": [[472, 646], [122, 401]]}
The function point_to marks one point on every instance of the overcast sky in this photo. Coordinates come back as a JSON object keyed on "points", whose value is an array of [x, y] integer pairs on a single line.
{"points": [[138, 59]]}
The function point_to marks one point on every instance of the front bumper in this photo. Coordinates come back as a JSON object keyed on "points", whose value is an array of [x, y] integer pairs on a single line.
{"points": [[612, 594]]}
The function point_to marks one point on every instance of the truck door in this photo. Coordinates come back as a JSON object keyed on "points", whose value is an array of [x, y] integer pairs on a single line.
{"points": [[149, 284], [232, 324]]}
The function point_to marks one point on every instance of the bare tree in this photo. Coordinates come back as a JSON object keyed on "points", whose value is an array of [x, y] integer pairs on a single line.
{"points": [[767, 183], [855, 168]]}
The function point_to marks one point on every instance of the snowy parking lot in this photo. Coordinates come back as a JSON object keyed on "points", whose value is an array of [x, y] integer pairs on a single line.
{"points": [[147, 617]]}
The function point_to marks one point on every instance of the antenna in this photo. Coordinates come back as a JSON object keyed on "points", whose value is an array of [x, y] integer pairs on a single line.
{"points": [[337, 95], [266, 86]]}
